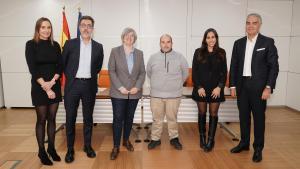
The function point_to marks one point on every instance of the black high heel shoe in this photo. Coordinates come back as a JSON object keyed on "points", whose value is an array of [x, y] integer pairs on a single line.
{"points": [[53, 154], [44, 157]]}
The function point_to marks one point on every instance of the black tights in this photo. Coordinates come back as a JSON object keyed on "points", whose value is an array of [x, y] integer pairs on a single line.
{"points": [[213, 108], [46, 113]]}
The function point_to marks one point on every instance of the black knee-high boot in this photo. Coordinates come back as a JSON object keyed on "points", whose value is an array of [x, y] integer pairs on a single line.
{"points": [[202, 129], [213, 122]]}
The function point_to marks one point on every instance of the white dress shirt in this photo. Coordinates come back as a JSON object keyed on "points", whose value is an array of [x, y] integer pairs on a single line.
{"points": [[248, 55], [84, 67]]}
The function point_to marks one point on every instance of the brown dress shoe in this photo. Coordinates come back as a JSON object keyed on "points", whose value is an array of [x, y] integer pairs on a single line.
{"points": [[114, 153], [128, 145]]}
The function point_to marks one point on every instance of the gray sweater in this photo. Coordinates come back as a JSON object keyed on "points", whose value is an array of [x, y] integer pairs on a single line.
{"points": [[167, 73]]}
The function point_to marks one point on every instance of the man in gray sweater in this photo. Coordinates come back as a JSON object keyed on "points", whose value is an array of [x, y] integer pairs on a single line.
{"points": [[167, 71]]}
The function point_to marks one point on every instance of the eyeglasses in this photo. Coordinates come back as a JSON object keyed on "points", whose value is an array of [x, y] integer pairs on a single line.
{"points": [[86, 26]]}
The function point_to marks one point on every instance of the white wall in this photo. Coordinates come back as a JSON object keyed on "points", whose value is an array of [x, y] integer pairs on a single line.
{"points": [[185, 20], [293, 76], [1, 90]]}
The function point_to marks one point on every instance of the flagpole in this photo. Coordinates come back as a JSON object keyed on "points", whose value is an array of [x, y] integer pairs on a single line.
{"points": [[61, 40], [79, 16], [62, 126]]}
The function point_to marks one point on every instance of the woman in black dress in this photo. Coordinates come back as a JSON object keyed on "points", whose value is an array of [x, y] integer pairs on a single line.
{"points": [[209, 73], [43, 56]]}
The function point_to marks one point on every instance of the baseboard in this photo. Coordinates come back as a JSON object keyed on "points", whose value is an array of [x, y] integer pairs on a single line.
{"points": [[292, 109], [276, 106]]}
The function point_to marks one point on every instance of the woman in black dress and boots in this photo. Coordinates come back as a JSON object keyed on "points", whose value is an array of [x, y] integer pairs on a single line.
{"points": [[43, 56], [209, 73]]}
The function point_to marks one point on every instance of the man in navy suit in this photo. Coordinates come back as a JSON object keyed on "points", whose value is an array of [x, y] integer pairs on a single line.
{"points": [[253, 73], [82, 61]]}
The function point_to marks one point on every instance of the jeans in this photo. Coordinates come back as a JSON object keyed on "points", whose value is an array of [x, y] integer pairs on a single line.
{"points": [[123, 114]]}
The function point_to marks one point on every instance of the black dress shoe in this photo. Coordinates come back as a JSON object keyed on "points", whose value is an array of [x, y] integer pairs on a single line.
{"points": [[69, 156], [239, 148], [176, 144], [128, 145], [114, 153], [89, 151], [44, 157], [153, 144], [257, 156]]}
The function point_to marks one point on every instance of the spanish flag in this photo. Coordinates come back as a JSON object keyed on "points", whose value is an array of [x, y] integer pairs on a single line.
{"points": [[65, 35]]}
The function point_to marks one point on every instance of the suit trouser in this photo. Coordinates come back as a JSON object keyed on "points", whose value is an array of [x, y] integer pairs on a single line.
{"points": [[81, 90], [249, 100], [160, 108]]}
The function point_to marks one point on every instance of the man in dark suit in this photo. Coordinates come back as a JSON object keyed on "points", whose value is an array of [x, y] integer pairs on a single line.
{"points": [[253, 73], [82, 61]]}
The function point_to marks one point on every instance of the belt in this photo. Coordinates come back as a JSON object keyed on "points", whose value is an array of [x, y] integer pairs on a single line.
{"points": [[83, 79], [247, 77]]}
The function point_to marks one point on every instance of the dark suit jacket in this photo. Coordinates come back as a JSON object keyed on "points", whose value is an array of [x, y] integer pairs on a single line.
{"points": [[120, 76], [264, 64], [71, 54]]}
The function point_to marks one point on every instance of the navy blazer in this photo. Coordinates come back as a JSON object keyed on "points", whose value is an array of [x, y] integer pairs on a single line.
{"points": [[264, 64], [71, 54]]}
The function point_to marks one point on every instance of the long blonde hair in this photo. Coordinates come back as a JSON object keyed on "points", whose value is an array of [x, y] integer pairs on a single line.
{"points": [[36, 36]]}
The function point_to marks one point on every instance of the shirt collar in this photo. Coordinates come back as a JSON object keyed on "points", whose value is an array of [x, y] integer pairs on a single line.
{"points": [[81, 40], [167, 51], [132, 50], [253, 39]]}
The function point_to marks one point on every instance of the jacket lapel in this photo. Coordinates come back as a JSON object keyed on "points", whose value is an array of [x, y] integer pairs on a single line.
{"points": [[257, 45], [123, 58], [134, 62], [243, 50], [93, 54], [77, 55]]}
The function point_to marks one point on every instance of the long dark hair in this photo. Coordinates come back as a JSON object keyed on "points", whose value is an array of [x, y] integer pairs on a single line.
{"points": [[36, 36], [202, 57]]}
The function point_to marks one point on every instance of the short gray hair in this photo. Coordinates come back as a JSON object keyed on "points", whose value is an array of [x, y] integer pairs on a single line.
{"points": [[127, 31], [255, 15], [166, 35]]}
